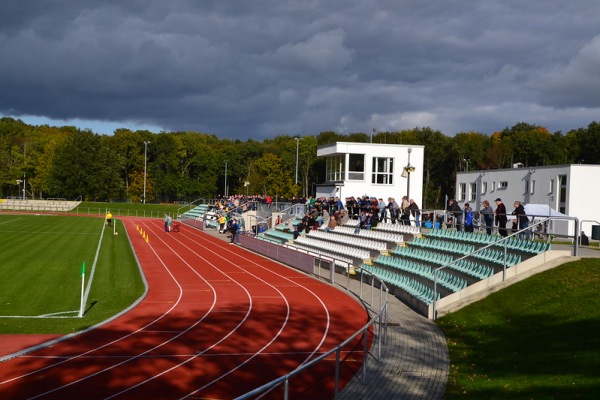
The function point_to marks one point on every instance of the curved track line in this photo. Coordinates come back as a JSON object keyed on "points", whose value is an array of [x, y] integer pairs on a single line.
{"points": [[143, 328], [173, 338], [212, 254], [104, 345], [216, 343]]}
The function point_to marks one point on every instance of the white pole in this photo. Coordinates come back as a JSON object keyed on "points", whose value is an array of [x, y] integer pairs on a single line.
{"points": [[82, 305], [408, 180]]}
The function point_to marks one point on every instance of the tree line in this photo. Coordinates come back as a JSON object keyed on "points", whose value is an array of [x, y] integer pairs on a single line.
{"points": [[67, 162]]}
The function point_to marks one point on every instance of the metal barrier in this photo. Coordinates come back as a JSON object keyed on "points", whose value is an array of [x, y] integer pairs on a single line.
{"points": [[122, 212]]}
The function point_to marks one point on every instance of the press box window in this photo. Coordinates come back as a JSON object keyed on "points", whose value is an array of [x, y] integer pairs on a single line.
{"points": [[383, 171]]}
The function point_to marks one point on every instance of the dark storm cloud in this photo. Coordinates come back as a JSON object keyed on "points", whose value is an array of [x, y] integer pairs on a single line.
{"points": [[261, 68]]}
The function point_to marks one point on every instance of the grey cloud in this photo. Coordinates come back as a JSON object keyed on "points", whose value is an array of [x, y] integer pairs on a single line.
{"points": [[575, 84], [262, 68]]}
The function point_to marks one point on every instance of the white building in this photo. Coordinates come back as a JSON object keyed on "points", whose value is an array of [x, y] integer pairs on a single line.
{"points": [[569, 189], [372, 169]]}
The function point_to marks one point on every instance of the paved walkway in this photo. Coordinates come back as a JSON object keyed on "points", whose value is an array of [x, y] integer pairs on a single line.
{"points": [[414, 361]]}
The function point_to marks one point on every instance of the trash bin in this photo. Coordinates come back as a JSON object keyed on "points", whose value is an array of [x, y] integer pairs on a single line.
{"points": [[596, 232]]}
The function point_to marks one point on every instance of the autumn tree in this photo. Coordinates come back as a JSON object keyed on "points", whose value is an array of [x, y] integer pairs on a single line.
{"points": [[276, 180]]}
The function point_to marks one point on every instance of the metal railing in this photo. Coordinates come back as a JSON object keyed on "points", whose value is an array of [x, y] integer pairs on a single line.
{"points": [[191, 205], [117, 212], [503, 241]]}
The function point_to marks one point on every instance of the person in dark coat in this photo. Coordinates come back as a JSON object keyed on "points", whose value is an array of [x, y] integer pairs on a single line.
{"points": [[456, 214], [522, 220], [415, 212], [501, 219], [583, 239]]}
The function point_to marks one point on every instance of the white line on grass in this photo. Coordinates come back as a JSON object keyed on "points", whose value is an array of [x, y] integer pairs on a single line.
{"points": [[88, 288]]}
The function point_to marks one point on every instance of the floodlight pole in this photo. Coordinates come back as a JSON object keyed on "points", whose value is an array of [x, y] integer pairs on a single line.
{"points": [[297, 142], [225, 178], [408, 175], [145, 165]]}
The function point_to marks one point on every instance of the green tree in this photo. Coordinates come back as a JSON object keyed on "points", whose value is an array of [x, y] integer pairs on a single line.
{"points": [[82, 166], [276, 180], [307, 164], [529, 144], [588, 140], [468, 149]]}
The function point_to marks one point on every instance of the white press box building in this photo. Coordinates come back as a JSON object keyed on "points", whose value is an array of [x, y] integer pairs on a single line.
{"points": [[572, 190], [372, 169]]}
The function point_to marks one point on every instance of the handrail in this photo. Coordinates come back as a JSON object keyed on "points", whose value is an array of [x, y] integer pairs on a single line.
{"points": [[587, 220], [190, 203]]}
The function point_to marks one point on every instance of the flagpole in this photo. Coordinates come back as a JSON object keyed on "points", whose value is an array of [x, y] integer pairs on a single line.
{"points": [[82, 289]]}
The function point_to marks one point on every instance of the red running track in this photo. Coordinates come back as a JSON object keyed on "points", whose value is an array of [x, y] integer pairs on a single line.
{"points": [[217, 321]]}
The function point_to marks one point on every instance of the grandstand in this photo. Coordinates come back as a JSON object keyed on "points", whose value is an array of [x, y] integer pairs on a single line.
{"points": [[48, 205], [432, 270]]}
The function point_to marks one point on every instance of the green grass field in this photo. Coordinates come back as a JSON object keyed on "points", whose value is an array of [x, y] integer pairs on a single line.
{"points": [[131, 209], [40, 272], [537, 339]]}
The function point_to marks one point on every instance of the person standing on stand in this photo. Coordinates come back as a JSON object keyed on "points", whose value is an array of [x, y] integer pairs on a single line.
{"points": [[394, 209], [382, 211], [455, 213], [468, 217], [415, 212], [405, 211], [522, 219], [501, 218], [488, 216]]}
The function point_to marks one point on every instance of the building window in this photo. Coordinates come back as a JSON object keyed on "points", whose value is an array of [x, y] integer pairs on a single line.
{"points": [[532, 187], [462, 188], [551, 189], [502, 184], [383, 171], [526, 186], [493, 186], [335, 166], [356, 167], [562, 194], [483, 187], [473, 191]]}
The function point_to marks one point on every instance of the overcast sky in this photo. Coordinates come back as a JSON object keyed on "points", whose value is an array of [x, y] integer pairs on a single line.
{"points": [[260, 68]]}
